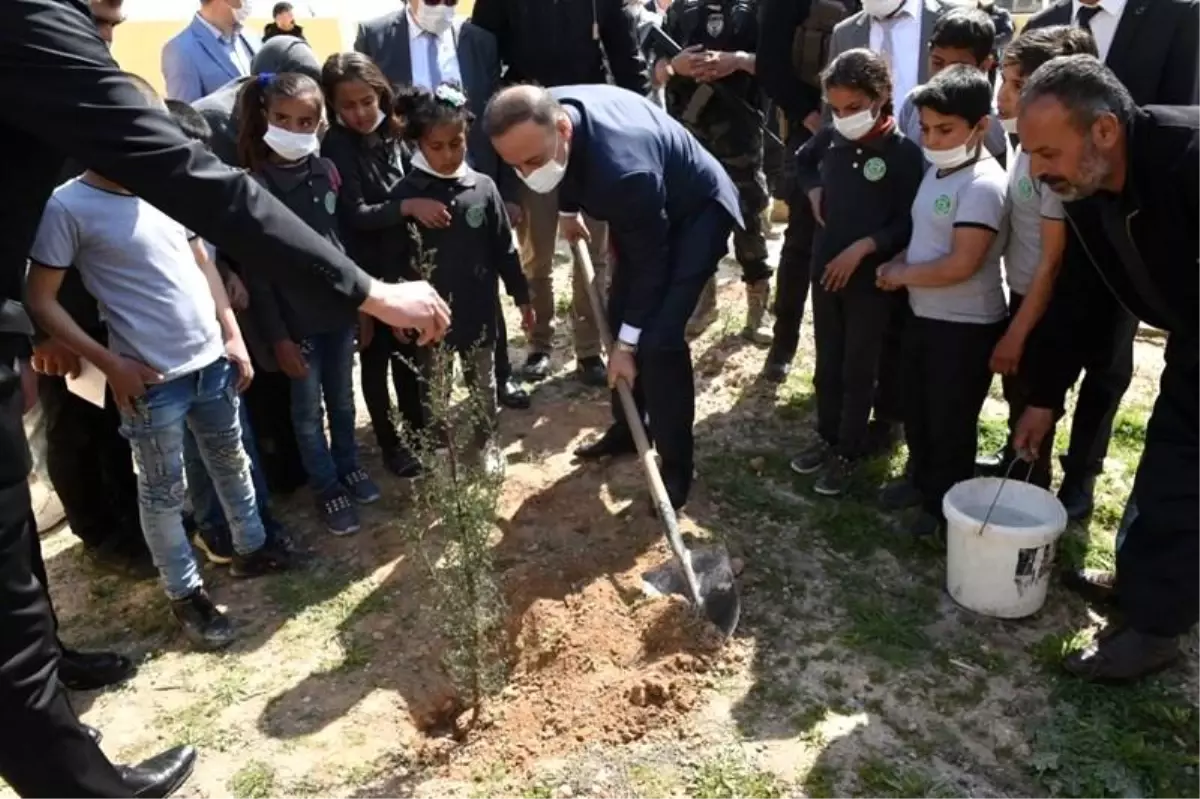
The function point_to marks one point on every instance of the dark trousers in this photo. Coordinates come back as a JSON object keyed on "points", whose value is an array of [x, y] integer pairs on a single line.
{"points": [[91, 468], [43, 749], [889, 387], [1016, 394], [269, 404], [946, 381], [385, 355], [1157, 563], [503, 364], [1107, 373], [792, 279], [664, 390], [850, 327]]}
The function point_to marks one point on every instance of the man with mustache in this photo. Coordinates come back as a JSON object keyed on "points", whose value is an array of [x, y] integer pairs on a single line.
{"points": [[1129, 179]]}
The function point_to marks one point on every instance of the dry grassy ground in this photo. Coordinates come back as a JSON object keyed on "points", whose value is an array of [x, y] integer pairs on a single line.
{"points": [[852, 672]]}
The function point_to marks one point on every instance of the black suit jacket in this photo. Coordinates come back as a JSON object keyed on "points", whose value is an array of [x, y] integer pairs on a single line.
{"points": [[386, 41], [80, 105], [1154, 52]]}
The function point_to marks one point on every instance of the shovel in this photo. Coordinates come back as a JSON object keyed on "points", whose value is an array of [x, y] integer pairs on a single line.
{"points": [[707, 577]]}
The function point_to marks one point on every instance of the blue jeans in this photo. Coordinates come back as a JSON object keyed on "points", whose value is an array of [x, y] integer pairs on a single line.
{"points": [[330, 358], [206, 402], [206, 509]]}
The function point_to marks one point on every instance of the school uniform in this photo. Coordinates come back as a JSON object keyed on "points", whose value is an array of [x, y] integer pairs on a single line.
{"points": [[464, 260], [867, 191], [297, 309], [372, 168], [950, 336], [1029, 203]]}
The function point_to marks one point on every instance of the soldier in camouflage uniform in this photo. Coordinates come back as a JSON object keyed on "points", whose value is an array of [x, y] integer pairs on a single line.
{"points": [[719, 38]]}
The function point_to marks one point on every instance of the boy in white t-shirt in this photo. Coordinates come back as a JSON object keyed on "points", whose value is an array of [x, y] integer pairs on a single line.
{"points": [[1037, 234], [175, 360], [952, 272]]}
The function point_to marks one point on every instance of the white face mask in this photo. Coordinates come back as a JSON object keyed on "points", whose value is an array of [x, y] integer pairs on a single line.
{"points": [[419, 161], [1009, 125], [546, 177], [954, 157], [291, 146], [882, 9], [240, 15], [855, 126], [435, 19]]}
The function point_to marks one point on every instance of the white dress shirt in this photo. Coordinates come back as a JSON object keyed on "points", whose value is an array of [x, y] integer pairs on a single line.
{"points": [[907, 47], [1104, 24], [447, 55], [233, 45]]}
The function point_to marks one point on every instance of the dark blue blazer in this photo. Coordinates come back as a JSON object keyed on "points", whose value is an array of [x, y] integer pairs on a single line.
{"points": [[634, 167]]}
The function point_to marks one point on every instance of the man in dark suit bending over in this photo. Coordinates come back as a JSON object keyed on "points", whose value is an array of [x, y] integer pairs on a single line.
{"points": [[669, 206]]}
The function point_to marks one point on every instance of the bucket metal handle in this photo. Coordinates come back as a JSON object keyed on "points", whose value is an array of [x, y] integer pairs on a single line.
{"points": [[1003, 482]]}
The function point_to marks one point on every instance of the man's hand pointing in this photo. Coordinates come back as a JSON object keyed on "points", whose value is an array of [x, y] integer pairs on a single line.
{"points": [[409, 306]]}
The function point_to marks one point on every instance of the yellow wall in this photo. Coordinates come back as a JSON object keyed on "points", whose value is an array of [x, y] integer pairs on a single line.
{"points": [[137, 44]]}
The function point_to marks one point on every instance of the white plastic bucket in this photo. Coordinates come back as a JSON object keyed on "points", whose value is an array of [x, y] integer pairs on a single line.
{"points": [[1003, 569]]}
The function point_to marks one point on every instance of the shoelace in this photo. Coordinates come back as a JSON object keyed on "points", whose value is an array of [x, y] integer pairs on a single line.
{"points": [[355, 477], [334, 504]]}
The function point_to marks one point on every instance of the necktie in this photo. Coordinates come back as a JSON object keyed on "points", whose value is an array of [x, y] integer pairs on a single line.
{"points": [[1085, 16], [435, 68], [887, 47]]}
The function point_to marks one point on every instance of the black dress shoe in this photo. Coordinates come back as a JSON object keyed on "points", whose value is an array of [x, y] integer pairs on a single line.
{"points": [[537, 366], [775, 371], [1123, 655], [91, 671], [1077, 494], [611, 445], [1096, 586], [511, 395], [592, 372], [92, 733], [161, 775]]}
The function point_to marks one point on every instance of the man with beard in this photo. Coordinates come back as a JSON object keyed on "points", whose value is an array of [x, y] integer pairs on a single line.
{"points": [[1129, 176]]}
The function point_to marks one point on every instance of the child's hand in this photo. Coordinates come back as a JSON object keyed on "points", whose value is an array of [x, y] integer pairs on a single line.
{"points": [[239, 356], [291, 360], [838, 271], [1006, 358], [528, 318], [890, 276], [128, 380], [366, 331], [429, 213], [239, 298], [814, 199], [51, 357]]}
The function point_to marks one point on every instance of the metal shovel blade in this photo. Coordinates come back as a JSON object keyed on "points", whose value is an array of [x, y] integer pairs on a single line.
{"points": [[714, 576]]}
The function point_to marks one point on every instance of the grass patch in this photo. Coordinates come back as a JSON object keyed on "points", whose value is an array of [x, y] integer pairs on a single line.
{"points": [[879, 777], [889, 626], [820, 782], [255, 780], [730, 776], [650, 782]]}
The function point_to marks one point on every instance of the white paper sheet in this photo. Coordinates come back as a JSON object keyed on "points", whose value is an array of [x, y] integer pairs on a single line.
{"points": [[90, 383]]}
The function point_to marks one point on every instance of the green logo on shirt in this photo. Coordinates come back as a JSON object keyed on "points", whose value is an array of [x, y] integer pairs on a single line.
{"points": [[874, 169], [475, 215], [1025, 187], [942, 205], [330, 202]]}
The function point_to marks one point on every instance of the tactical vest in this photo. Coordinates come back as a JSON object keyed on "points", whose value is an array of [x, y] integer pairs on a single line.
{"points": [[714, 25], [810, 46]]}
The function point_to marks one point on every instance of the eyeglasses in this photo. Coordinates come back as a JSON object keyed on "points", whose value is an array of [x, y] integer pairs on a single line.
{"points": [[450, 3]]}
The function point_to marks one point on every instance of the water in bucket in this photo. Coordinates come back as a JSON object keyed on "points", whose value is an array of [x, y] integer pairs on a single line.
{"points": [[1001, 569]]}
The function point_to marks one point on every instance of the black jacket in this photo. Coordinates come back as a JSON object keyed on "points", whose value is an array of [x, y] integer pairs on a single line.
{"points": [[564, 42], [272, 30], [868, 189], [1142, 243], [464, 259], [373, 230], [778, 23]]}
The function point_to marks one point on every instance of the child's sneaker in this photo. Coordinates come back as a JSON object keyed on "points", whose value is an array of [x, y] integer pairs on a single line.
{"points": [[402, 463], [271, 557], [811, 459], [361, 487], [338, 512], [834, 477], [204, 625]]}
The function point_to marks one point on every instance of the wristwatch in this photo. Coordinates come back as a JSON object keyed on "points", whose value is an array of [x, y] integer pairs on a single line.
{"points": [[625, 346]]}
